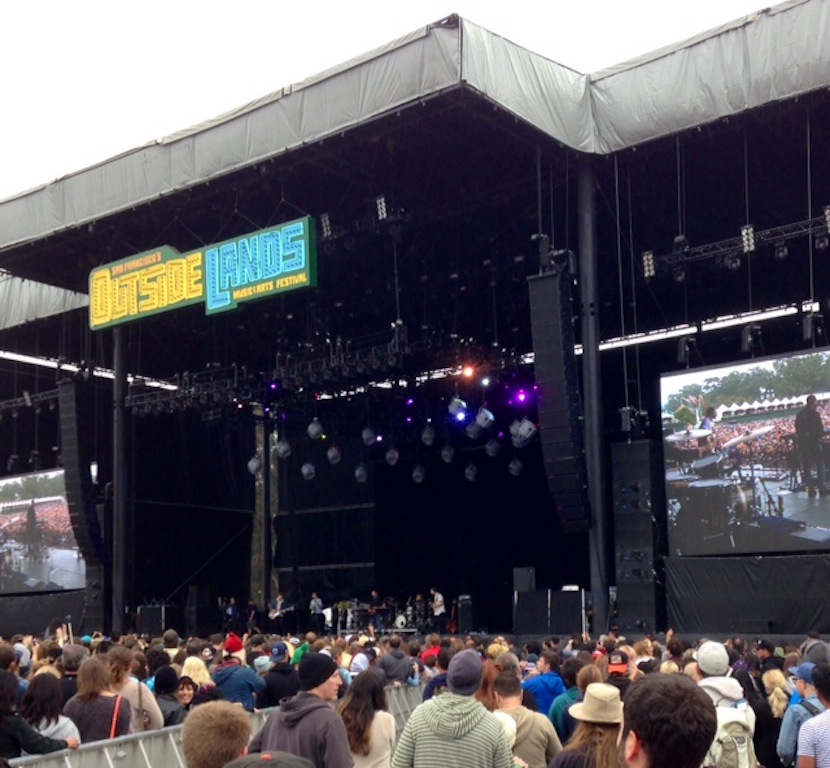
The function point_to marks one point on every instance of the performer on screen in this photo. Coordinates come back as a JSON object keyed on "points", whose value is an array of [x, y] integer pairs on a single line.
{"points": [[809, 430]]}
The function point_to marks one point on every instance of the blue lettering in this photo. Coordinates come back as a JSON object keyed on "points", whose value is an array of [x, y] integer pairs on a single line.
{"points": [[217, 297], [271, 253], [293, 250], [250, 261]]}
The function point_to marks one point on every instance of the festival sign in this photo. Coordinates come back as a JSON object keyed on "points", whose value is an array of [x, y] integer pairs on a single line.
{"points": [[221, 276]]}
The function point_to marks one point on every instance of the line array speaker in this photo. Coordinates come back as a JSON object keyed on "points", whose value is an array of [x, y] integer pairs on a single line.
{"points": [[560, 404]]}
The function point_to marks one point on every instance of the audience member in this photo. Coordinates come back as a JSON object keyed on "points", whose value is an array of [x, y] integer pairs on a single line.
{"points": [[215, 733]]}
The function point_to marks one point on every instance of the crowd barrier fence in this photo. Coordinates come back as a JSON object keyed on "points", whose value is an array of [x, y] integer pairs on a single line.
{"points": [[163, 749]]}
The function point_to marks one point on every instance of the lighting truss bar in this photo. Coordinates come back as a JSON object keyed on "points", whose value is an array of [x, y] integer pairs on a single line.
{"points": [[649, 336], [735, 245], [743, 318], [37, 398]]}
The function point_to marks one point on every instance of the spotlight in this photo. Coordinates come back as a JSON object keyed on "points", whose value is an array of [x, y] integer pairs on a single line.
{"points": [[471, 472], [521, 432], [678, 275], [11, 464], [255, 464], [515, 467], [821, 242], [731, 261], [748, 238], [484, 418], [751, 341], [827, 218], [367, 436], [360, 473], [456, 406], [428, 435], [392, 456], [467, 371], [27, 398], [648, 264], [473, 431], [680, 244], [492, 448], [333, 455], [485, 382], [418, 473], [325, 224], [308, 471], [781, 251], [447, 452], [283, 448], [380, 203], [314, 429]]}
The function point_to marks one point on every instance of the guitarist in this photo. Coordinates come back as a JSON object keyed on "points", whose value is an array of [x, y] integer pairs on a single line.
{"points": [[277, 614]]}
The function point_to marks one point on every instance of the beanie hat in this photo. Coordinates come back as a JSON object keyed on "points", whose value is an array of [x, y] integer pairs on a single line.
{"points": [[167, 680], [262, 663], [464, 673], [233, 644], [315, 669], [712, 659]]}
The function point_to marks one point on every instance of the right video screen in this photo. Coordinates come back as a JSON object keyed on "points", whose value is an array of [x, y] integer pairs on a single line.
{"points": [[746, 452]]}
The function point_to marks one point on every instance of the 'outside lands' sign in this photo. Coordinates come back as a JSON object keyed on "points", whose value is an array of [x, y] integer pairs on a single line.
{"points": [[252, 266]]}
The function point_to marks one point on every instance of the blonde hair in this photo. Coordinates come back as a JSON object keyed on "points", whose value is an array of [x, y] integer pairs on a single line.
{"points": [[778, 691], [669, 667], [196, 670]]}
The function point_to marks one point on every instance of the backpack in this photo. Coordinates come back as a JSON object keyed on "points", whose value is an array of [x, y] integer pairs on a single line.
{"points": [[732, 746]]}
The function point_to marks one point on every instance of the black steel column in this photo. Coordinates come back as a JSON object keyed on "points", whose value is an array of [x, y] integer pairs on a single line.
{"points": [[119, 481], [592, 389]]}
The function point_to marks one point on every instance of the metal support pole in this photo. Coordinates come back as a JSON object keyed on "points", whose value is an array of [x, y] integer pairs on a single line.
{"points": [[592, 390], [119, 482]]}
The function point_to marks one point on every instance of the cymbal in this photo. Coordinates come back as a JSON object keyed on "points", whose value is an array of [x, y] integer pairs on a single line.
{"points": [[689, 434], [762, 430], [748, 436]]}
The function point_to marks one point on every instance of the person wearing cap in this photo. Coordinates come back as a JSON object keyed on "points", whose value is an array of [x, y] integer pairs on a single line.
{"points": [[724, 691], [767, 660], [305, 724], [798, 714], [594, 742], [667, 721], [454, 730], [281, 681], [814, 736], [548, 683], [237, 681]]}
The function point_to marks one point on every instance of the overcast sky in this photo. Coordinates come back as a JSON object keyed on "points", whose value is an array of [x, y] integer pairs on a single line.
{"points": [[83, 81]]}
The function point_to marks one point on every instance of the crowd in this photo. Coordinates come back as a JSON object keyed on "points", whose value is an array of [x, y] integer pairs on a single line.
{"points": [[580, 703]]}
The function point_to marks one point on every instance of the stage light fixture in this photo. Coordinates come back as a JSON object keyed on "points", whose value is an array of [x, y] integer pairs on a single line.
{"points": [[392, 456], [325, 224], [314, 429], [471, 472], [333, 455], [11, 464], [678, 275], [492, 448], [428, 435], [748, 238], [515, 467], [680, 244], [522, 432], [283, 448], [418, 473], [360, 473], [367, 435], [457, 406], [827, 218], [34, 461], [255, 464], [380, 204], [751, 341], [781, 251], [821, 242], [648, 264], [308, 471], [447, 452]]}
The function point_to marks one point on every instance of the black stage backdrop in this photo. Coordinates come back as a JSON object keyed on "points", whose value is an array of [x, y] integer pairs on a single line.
{"points": [[748, 595], [466, 537]]}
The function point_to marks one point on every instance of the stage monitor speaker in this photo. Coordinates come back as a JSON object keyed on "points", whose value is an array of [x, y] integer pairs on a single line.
{"points": [[524, 579], [75, 431], [531, 613], [559, 401], [465, 614], [635, 470], [566, 612]]}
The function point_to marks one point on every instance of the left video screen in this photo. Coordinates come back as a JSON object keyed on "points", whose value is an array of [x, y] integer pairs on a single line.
{"points": [[38, 549]]}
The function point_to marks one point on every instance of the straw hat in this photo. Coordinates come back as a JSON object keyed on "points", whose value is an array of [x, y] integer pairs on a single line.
{"points": [[601, 705]]}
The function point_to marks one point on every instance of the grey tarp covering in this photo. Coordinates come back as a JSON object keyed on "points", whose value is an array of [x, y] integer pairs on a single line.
{"points": [[22, 301], [771, 55]]}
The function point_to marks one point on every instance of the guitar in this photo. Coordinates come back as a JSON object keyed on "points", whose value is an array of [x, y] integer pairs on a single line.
{"points": [[278, 614]]}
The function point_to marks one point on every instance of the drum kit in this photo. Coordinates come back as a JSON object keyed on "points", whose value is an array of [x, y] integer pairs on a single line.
{"points": [[710, 494], [360, 616]]}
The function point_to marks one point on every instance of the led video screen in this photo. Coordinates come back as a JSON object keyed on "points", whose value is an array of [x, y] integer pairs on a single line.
{"points": [[747, 456], [38, 550]]}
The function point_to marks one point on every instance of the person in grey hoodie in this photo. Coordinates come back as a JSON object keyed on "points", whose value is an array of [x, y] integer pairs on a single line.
{"points": [[395, 663], [305, 724], [454, 730], [713, 666]]}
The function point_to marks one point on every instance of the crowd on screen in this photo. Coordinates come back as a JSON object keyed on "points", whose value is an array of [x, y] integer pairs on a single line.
{"points": [[485, 700]]}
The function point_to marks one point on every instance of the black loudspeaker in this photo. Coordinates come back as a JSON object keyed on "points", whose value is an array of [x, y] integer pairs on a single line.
{"points": [[560, 405], [524, 579], [566, 612], [75, 430], [636, 532], [531, 613], [465, 614]]}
